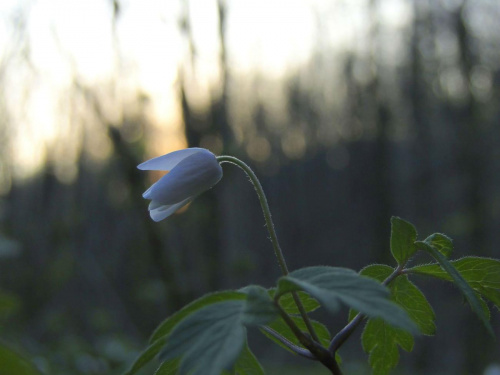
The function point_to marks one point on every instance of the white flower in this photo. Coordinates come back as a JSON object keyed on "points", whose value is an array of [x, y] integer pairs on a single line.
{"points": [[191, 172]]}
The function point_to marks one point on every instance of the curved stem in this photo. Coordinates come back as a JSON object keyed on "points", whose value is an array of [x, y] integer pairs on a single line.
{"points": [[263, 203], [345, 332], [272, 232]]}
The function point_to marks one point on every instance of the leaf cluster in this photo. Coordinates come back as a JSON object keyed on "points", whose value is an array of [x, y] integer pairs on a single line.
{"points": [[208, 336]]}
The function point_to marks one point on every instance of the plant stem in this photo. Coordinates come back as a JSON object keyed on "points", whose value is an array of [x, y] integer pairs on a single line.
{"points": [[272, 232], [290, 345], [318, 351], [263, 203], [346, 332]]}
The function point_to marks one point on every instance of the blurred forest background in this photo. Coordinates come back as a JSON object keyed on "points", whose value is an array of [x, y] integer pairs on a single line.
{"points": [[350, 111]]}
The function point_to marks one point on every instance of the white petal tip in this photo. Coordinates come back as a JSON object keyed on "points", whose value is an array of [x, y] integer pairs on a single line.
{"points": [[157, 219]]}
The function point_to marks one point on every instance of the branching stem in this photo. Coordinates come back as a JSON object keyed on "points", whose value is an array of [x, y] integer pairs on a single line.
{"points": [[319, 352]]}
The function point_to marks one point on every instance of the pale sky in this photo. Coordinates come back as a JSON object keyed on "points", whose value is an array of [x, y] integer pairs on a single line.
{"points": [[74, 37]]}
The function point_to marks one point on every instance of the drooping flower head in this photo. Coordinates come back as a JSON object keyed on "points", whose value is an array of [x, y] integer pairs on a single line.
{"points": [[190, 172]]}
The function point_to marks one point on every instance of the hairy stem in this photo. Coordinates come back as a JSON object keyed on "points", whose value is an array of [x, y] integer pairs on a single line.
{"points": [[272, 232], [346, 332]]}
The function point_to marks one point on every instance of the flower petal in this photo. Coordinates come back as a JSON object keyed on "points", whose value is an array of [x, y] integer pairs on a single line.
{"points": [[160, 212], [169, 161], [190, 177]]}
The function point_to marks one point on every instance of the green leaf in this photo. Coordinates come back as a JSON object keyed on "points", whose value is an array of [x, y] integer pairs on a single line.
{"points": [[247, 363], [441, 243], [11, 363], [146, 356], [493, 295], [332, 286], [403, 237], [158, 339], [381, 341], [279, 326], [408, 296], [460, 282], [211, 339], [168, 368], [168, 324], [260, 308], [287, 302], [477, 271], [482, 274]]}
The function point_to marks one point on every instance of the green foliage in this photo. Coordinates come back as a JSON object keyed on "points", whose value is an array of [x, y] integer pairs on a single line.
{"points": [[332, 286], [288, 304], [441, 243], [247, 363], [482, 274], [381, 341], [166, 326], [259, 307], [403, 237], [158, 339], [211, 339], [147, 356], [460, 282], [208, 336], [11, 363], [279, 326], [408, 296], [168, 368]]}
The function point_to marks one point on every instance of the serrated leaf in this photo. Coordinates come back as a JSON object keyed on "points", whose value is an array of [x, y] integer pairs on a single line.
{"points": [[279, 326], [460, 282], [441, 243], [407, 295], [482, 274], [287, 302], [332, 286], [477, 271], [403, 237], [211, 339], [12, 363], [493, 295], [168, 324], [381, 341]]}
